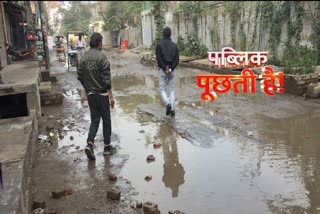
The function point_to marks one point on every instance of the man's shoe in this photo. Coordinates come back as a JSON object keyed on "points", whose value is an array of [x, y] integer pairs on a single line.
{"points": [[89, 152], [109, 150], [173, 113], [168, 109]]}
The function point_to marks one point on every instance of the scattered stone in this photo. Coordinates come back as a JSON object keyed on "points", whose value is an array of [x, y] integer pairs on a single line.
{"points": [[150, 208], [39, 204], [39, 211], [71, 138], [148, 178], [51, 117], [43, 114], [57, 195], [139, 205], [112, 177], [156, 145], [142, 131], [313, 90], [114, 194], [68, 191], [151, 158], [51, 98], [176, 212], [78, 147], [250, 134], [193, 104]]}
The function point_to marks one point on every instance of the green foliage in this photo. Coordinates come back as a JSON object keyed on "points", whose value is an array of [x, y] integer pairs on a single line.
{"points": [[159, 21], [299, 60], [120, 14], [192, 46], [254, 35], [77, 18], [203, 50], [191, 10], [316, 30], [180, 44], [234, 9], [243, 41], [274, 17]]}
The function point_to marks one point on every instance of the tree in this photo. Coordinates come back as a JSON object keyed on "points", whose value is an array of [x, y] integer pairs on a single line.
{"points": [[120, 14], [76, 18]]}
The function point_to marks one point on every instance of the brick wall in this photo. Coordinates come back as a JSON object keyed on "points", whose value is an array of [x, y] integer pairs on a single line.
{"points": [[298, 84]]}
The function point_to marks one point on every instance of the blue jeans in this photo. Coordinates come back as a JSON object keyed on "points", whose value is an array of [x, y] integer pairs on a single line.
{"points": [[163, 80]]}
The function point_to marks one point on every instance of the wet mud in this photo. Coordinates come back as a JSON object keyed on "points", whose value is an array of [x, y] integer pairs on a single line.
{"points": [[243, 153]]}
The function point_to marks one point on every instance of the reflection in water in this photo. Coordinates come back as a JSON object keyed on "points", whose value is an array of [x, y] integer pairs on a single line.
{"points": [[300, 138], [173, 170]]}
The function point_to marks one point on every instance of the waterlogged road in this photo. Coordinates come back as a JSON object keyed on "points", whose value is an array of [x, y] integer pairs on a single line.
{"points": [[243, 153]]}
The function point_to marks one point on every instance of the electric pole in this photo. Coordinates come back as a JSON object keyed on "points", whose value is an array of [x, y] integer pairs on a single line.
{"points": [[44, 35]]}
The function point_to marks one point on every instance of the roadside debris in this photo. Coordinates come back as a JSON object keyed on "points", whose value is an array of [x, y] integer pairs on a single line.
{"points": [[142, 131], [78, 147], [114, 194], [156, 145], [112, 177], [150, 208], [51, 136], [250, 134], [71, 138], [139, 205], [150, 158], [39, 204], [148, 178], [65, 192]]}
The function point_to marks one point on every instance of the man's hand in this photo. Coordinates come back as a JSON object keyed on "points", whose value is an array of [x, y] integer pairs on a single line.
{"points": [[111, 101]]}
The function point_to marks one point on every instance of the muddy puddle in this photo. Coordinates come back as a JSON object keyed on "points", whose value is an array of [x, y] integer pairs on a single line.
{"points": [[276, 172]]}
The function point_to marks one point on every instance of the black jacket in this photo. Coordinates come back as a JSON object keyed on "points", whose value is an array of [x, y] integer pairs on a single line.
{"points": [[94, 72], [167, 54]]}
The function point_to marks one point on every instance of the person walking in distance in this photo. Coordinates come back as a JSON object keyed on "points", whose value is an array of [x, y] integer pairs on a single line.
{"points": [[81, 44], [95, 76], [167, 54]]}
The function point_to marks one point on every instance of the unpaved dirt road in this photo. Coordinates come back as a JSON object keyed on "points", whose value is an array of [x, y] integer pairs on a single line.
{"points": [[243, 153]]}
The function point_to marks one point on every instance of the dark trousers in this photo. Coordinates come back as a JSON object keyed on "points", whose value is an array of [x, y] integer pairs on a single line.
{"points": [[99, 108]]}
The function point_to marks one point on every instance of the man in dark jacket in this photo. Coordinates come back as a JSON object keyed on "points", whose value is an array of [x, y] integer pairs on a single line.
{"points": [[167, 54], [94, 75]]}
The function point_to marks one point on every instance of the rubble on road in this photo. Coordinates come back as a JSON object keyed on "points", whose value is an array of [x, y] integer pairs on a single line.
{"points": [[39, 204], [51, 98], [156, 145], [63, 193], [313, 90], [149, 60], [148, 178], [114, 194], [112, 177], [151, 158], [150, 208]]}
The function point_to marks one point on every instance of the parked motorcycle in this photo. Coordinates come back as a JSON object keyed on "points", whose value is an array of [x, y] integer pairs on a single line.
{"points": [[15, 54]]}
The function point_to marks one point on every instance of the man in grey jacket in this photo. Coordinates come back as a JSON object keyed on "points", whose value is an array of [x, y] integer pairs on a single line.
{"points": [[94, 75], [167, 54]]}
